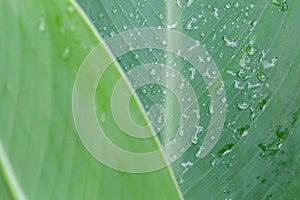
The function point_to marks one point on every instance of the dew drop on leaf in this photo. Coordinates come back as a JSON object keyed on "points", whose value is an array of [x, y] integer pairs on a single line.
{"points": [[276, 2], [242, 105], [236, 4], [251, 50], [66, 53], [227, 6], [229, 43], [261, 76], [42, 25], [284, 6], [136, 56], [194, 139]]}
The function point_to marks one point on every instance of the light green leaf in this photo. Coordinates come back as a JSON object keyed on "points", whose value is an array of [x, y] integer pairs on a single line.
{"points": [[43, 44]]}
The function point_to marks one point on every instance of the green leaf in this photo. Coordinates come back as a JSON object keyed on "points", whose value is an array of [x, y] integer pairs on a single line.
{"points": [[43, 44], [255, 45]]}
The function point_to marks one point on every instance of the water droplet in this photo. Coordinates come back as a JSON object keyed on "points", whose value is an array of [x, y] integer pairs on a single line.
{"points": [[241, 73], [266, 64], [237, 85], [172, 26], [152, 71], [225, 150], [229, 43], [216, 13], [213, 162], [251, 86], [227, 6], [164, 42], [236, 4], [284, 6], [102, 117], [190, 24], [186, 166], [159, 119], [198, 154], [211, 109], [276, 2], [189, 3], [101, 15], [242, 61], [161, 16], [242, 105], [252, 114], [195, 139], [251, 50], [220, 89], [65, 53], [136, 56], [144, 90], [70, 9], [261, 77], [197, 113], [193, 71], [42, 25]]}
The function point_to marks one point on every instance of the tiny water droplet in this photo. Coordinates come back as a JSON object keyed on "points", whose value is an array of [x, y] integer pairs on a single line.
{"points": [[195, 139], [186, 166], [190, 24], [236, 4], [261, 76], [229, 43], [144, 90], [189, 3], [152, 71], [198, 154], [136, 56], [227, 6], [164, 42], [213, 162], [266, 64], [242, 105], [252, 116], [65, 53], [216, 13], [237, 85], [102, 117], [193, 71], [172, 26], [70, 9], [284, 6], [251, 50], [211, 109], [276, 2], [42, 25]]}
